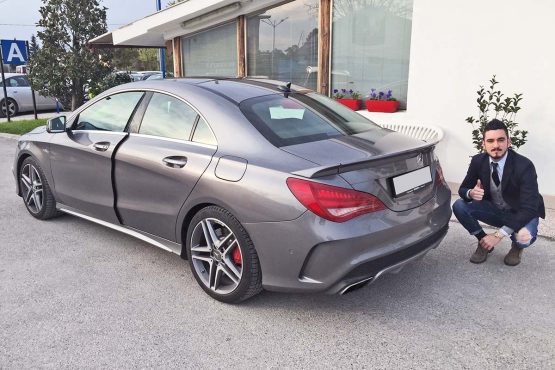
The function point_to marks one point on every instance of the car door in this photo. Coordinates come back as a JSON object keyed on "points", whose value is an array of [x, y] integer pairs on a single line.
{"points": [[43, 102], [19, 89], [159, 164], [81, 158]]}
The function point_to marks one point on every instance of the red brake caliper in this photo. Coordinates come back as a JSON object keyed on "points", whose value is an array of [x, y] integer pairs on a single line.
{"points": [[236, 255]]}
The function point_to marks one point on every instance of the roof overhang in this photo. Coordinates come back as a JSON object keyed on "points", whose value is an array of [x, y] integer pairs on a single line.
{"points": [[180, 19]]}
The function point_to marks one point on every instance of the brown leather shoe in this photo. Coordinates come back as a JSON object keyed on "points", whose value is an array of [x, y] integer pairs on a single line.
{"points": [[513, 257], [480, 255]]}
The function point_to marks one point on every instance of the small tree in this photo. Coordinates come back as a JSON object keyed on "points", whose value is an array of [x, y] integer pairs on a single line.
{"points": [[33, 46], [111, 80], [505, 109], [64, 63]]}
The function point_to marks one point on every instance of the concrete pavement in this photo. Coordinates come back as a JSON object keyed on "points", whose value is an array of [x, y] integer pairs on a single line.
{"points": [[74, 294]]}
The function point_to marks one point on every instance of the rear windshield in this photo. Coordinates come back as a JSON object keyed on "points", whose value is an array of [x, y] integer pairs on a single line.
{"points": [[302, 118]]}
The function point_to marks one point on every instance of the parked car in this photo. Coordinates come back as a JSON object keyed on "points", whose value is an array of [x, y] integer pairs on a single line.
{"points": [[143, 75], [259, 184], [154, 76], [19, 96]]}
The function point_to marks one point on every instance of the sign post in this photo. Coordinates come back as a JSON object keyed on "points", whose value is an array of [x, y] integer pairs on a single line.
{"points": [[32, 90], [161, 51], [4, 86], [11, 52]]}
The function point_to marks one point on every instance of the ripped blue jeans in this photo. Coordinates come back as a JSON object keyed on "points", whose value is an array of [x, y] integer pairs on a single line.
{"points": [[469, 213]]}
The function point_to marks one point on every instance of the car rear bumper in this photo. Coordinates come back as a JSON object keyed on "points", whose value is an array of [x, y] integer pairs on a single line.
{"points": [[330, 257], [370, 271]]}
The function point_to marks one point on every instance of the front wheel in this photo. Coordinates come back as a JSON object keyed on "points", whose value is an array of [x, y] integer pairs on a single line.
{"points": [[35, 190], [222, 256], [11, 107]]}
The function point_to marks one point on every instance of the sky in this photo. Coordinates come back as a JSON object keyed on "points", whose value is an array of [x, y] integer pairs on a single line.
{"points": [[18, 17]]}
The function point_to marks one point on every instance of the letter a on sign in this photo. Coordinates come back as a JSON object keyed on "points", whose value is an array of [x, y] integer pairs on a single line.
{"points": [[14, 51]]}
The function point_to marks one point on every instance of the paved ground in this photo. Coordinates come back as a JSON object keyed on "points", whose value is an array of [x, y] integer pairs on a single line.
{"points": [[77, 295]]}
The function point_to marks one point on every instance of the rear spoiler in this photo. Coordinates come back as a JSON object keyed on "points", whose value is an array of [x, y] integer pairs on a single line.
{"points": [[336, 169]]}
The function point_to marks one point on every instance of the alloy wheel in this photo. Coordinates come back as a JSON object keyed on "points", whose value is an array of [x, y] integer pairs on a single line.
{"points": [[32, 188], [216, 256], [11, 107]]}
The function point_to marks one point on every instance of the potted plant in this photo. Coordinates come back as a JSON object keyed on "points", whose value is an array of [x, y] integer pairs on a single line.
{"points": [[350, 99], [381, 102]]}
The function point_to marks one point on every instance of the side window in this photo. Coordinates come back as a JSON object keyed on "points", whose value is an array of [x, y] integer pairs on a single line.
{"points": [[168, 117], [12, 82], [109, 114], [203, 134], [21, 81]]}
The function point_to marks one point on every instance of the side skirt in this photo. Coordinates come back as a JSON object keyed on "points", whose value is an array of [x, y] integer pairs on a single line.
{"points": [[146, 237]]}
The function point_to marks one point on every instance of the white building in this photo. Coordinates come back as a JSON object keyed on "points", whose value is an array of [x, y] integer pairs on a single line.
{"points": [[434, 55]]}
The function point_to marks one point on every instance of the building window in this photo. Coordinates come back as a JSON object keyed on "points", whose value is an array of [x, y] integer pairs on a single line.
{"points": [[282, 43], [212, 52], [371, 46]]}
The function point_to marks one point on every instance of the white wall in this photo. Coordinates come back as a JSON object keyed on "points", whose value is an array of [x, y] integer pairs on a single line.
{"points": [[456, 47]]}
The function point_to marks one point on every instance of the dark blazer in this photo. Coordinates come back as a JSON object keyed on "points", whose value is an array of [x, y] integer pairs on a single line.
{"points": [[519, 185]]}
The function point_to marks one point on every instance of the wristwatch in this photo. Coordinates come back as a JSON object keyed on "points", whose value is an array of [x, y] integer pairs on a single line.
{"points": [[498, 234]]}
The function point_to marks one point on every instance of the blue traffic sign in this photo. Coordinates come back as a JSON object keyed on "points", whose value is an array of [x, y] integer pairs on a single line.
{"points": [[14, 52]]}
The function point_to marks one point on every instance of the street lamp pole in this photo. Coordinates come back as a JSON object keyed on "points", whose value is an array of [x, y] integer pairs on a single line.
{"points": [[273, 24]]}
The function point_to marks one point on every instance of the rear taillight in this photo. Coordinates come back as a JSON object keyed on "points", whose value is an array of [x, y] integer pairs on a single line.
{"points": [[331, 202], [439, 174]]}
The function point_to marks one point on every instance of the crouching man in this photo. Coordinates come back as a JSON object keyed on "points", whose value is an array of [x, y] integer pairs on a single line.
{"points": [[500, 189]]}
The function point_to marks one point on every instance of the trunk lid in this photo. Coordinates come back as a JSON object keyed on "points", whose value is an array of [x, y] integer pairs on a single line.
{"points": [[387, 164]]}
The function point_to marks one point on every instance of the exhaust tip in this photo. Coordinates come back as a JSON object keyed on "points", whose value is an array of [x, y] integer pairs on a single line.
{"points": [[352, 287]]}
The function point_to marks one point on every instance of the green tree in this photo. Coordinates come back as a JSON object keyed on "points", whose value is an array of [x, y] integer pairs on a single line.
{"points": [[33, 46], [64, 63]]}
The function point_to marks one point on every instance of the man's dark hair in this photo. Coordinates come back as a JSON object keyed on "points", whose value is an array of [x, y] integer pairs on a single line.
{"points": [[495, 124]]}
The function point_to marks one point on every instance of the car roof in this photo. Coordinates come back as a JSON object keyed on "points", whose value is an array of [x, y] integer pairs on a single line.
{"points": [[8, 75], [234, 90]]}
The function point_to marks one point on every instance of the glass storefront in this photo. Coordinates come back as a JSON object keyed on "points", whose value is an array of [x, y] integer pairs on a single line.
{"points": [[371, 46], [282, 43], [212, 52]]}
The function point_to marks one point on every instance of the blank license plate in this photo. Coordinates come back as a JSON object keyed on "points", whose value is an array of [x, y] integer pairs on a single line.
{"points": [[411, 181]]}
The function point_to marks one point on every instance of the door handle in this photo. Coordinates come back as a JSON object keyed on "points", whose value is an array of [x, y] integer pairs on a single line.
{"points": [[175, 161], [101, 146]]}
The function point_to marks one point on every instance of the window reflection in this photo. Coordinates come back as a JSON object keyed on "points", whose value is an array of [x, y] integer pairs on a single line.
{"points": [[168, 117], [371, 46], [212, 52], [282, 43]]}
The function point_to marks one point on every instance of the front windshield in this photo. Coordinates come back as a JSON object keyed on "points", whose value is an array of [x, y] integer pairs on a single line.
{"points": [[289, 119]]}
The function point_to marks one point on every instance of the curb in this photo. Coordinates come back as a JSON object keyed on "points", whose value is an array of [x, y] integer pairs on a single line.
{"points": [[9, 136]]}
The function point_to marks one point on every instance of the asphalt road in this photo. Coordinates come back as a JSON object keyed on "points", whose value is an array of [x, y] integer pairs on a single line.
{"points": [[77, 295]]}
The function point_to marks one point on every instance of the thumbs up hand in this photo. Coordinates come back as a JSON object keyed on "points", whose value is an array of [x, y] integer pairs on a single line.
{"points": [[477, 193]]}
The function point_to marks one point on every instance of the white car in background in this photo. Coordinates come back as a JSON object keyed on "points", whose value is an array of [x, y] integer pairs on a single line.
{"points": [[19, 96]]}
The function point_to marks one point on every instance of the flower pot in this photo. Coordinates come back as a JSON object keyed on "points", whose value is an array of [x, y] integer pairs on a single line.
{"points": [[386, 106], [354, 104]]}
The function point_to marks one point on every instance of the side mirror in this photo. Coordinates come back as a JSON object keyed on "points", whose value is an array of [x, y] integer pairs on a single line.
{"points": [[56, 124]]}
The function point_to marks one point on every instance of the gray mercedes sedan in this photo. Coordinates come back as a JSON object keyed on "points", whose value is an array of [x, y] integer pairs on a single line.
{"points": [[258, 184]]}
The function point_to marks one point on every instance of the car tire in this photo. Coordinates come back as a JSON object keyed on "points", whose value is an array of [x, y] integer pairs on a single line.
{"points": [[222, 256], [12, 104], [35, 190]]}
